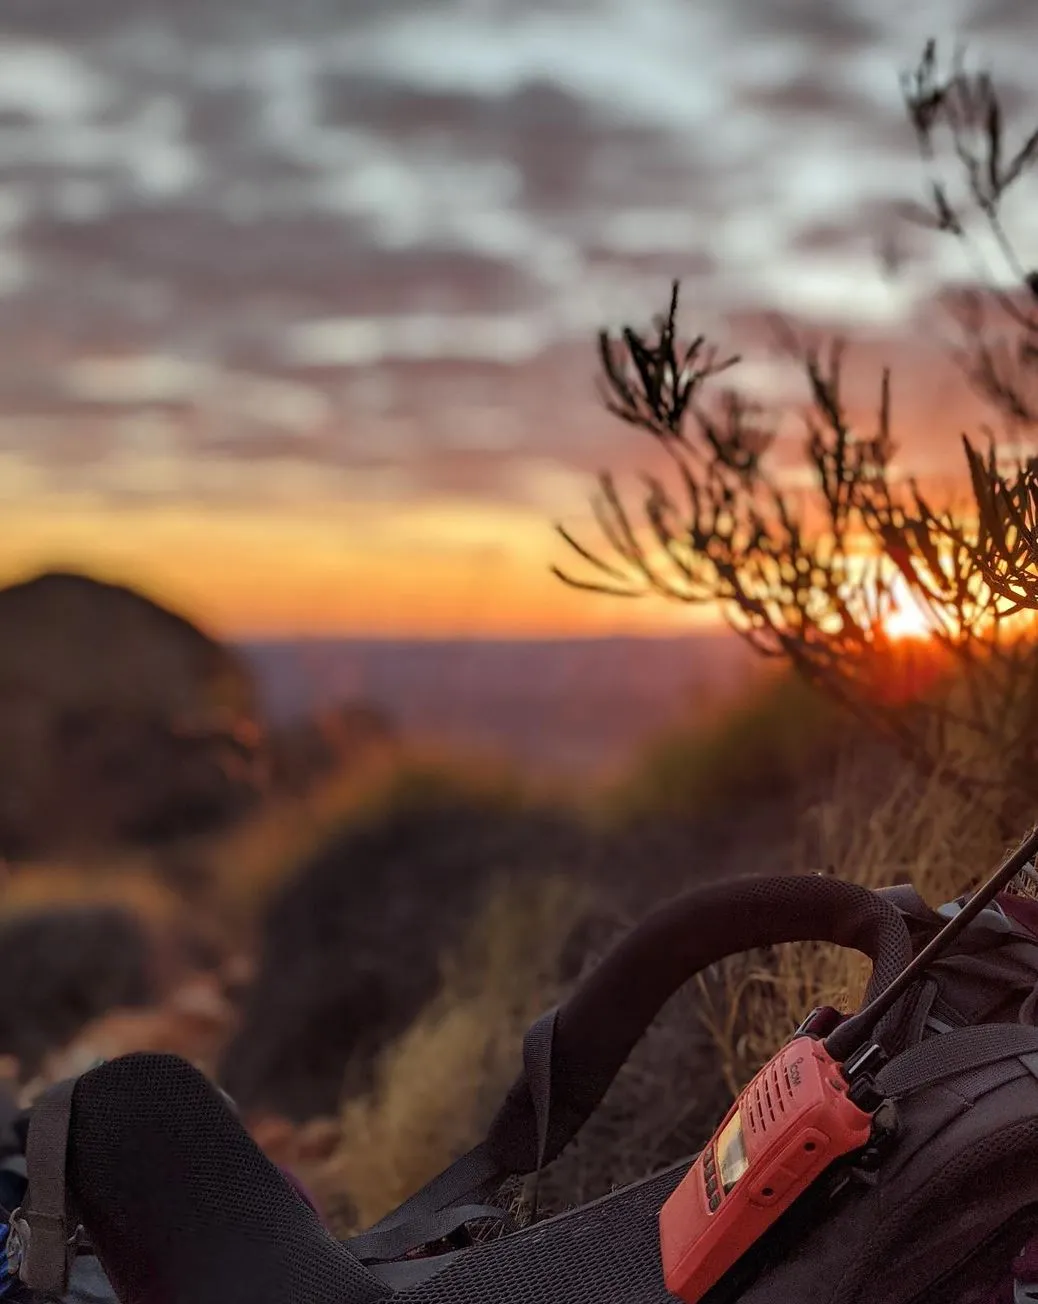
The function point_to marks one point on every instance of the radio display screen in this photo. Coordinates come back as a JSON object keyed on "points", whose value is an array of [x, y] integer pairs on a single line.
{"points": [[732, 1160]]}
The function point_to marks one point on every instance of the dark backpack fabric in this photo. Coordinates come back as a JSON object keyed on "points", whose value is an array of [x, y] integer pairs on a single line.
{"points": [[182, 1208]]}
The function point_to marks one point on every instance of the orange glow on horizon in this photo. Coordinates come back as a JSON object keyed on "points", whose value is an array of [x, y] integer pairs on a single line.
{"points": [[321, 567], [432, 570]]}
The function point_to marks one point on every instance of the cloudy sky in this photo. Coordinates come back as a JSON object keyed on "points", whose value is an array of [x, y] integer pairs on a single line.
{"points": [[298, 297]]}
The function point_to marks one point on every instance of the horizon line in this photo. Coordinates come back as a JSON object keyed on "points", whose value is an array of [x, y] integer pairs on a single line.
{"points": [[718, 629]]}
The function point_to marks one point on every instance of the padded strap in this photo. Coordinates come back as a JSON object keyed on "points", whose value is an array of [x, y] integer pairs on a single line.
{"points": [[597, 1027], [42, 1226], [572, 1054], [403, 1274]]}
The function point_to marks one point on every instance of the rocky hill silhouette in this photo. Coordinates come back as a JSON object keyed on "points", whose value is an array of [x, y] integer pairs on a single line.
{"points": [[121, 722]]}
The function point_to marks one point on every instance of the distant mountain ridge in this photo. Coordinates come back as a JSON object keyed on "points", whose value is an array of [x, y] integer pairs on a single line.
{"points": [[561, 705]]}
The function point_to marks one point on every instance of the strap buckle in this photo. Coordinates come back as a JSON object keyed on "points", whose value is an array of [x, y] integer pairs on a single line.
{"points": [[39, 1251]]}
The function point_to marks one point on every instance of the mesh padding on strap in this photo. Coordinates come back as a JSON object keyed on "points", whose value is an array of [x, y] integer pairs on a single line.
{"points": [[604, 1253], [183, 1207]]}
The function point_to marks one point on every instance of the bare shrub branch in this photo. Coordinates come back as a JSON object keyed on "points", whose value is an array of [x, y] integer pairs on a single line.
{"points": [[816, 578]]}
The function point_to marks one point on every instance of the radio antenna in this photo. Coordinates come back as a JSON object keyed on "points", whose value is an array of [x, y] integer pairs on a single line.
{"points": [[850, 1034]]}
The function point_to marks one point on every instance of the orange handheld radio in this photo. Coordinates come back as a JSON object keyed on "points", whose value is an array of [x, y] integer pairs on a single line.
{"points": [[788, 1142]]}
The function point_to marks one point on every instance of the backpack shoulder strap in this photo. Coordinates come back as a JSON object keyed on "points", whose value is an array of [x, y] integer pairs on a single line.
{"points": [[595, 1029], [572, 1053], [41, 1225]]}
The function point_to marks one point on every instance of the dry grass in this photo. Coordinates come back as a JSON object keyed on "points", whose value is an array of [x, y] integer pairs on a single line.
{"points": [[920, 832], [437, 1086]]}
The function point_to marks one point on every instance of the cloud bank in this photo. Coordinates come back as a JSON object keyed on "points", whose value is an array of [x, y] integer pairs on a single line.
{"points": [[253, 248]]}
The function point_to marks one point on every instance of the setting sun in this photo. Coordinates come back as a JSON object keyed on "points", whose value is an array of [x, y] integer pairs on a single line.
{"points": [[906, 620]]}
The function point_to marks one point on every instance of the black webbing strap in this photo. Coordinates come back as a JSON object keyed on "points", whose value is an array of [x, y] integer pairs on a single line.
{"points": [[41, 1225], [954, 1052], [441, 1207], [378, 1245], [537, 1045]]}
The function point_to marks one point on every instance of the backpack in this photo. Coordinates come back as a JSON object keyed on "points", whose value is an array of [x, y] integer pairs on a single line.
{"points": [[145, 1156]]}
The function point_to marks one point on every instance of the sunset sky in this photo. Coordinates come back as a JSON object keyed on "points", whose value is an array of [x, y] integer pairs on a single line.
{"points": [[298, 297]]}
